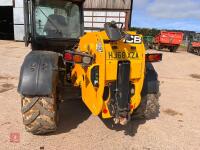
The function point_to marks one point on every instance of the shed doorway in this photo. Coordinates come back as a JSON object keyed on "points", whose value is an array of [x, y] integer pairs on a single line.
{"points": [[6, 23]]}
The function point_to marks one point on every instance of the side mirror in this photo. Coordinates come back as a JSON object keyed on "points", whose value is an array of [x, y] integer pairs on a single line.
{"points": [[114, 33]]}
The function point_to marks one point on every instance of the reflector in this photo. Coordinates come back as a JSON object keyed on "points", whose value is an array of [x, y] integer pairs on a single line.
{"points": [[105, 111], [87, 60], [132, 106], [156, 57]]}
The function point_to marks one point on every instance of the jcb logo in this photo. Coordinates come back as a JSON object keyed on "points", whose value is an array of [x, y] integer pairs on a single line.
{"points": [[133, 40]]}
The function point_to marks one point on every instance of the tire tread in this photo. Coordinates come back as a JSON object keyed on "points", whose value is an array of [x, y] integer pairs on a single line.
{"points": [[149, 107], [39, 114]]}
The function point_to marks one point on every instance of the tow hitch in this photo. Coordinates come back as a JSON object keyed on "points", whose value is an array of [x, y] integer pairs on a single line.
{"points": [[119, 105]]}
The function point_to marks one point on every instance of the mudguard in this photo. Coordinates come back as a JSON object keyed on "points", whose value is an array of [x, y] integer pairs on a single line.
{"points": [[39, 74], [151, 83]]}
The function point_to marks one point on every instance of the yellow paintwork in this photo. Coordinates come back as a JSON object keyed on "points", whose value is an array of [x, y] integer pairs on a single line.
{"points": [[93, 97]]}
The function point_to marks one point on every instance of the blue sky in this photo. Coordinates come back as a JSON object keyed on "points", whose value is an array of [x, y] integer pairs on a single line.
{"points": [[167, 14]]}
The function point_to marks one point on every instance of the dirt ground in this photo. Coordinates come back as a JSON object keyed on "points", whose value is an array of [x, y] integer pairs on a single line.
{"points": [[176, 127]]}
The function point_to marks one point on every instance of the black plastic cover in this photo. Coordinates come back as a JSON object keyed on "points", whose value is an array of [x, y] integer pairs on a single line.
{"points": [[39, 74], [123, 80], [114, 33], [151, 83]]}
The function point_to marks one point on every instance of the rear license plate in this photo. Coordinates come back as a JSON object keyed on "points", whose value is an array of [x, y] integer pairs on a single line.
{"points": [[122, 55]]}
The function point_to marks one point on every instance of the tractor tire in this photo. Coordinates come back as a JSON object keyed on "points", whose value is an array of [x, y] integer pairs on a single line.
{"points": [[157, 47], [150, 46], [173, 49], [153, 47], [149, 107], [40, 114], [189, 49], [198, 52], [170, 49]]}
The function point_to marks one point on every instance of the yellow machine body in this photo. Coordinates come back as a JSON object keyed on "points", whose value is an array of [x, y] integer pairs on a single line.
{"points": [[106, 55]]}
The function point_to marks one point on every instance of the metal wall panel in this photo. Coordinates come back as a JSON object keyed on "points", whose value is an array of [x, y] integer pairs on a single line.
{"points": [[18, 16], [96, 19], [19, 32], [98, 25], [122, 14], [19, 3], [99, 19], [6, 3], [108, 4], [99, 13], [119, 4], [87, 24], [122, 20], [18, 20], [88, 19], [112, 19], [95, 4], [112, 14], [88, 13]]}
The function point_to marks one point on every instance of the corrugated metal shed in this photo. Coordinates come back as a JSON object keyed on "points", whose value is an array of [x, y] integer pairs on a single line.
{"points": [[6, 2], [108, 4], [19, 20]]}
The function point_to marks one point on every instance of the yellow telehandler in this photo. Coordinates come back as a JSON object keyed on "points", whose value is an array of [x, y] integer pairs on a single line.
{"points": [[110, 67]]}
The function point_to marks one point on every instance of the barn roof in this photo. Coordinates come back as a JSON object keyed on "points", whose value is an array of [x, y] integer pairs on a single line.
{"points": [[108, 4]]}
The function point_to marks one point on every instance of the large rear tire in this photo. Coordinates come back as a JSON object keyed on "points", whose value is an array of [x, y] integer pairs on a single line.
{"points": [[173, 49], [149, 107], [40, 114]]}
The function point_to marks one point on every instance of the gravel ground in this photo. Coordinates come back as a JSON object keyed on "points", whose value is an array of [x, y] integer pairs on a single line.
{"points": [[176, 128]]}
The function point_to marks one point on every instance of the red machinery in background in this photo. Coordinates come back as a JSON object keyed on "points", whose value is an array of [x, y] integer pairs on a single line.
{"points": [[194, 44], [169, 40]]}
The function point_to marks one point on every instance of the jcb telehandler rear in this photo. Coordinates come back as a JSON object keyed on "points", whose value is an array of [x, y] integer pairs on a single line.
{"points": [[110, 67]]}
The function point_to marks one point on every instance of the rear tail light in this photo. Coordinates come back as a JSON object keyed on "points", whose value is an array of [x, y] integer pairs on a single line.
{"points": [[68, 57], [79, 58], [153, 57]]}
